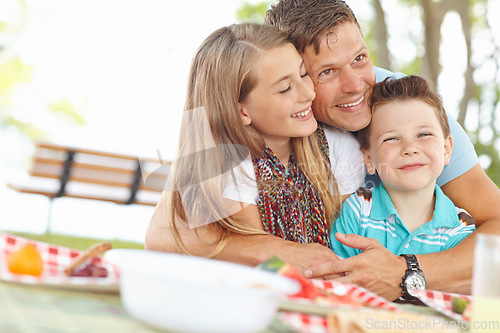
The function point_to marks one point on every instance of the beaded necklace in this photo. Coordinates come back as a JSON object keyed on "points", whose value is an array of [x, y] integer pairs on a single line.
{"points": [[290, 206]]}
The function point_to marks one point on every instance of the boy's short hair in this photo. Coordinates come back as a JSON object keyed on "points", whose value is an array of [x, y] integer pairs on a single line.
{"points": [[305, 22], [404, 89]]}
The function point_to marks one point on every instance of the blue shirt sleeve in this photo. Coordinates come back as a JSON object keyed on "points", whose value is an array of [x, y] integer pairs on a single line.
{"points": [[382, 74], [463, 156], [346, 223]]}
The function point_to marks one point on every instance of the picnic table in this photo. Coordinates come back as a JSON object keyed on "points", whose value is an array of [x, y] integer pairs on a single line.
{"points": [[55, 303], [33, 309]]}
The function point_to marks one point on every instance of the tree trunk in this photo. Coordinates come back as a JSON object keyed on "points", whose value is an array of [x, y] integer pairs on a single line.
{"points": [[462, 7], [381, 36], [432, 40], [432, 17]]}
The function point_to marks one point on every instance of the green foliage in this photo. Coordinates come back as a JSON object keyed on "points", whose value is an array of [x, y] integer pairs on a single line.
{"points": [[12, 72], [254, 13], [79, 243], [410, 3], [493, 170], [489, 149], [65, 109], [25, 128], [412, 67]]}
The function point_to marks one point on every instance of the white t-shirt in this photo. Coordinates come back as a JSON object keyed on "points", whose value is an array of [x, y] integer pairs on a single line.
{"points": [[349, 173]]}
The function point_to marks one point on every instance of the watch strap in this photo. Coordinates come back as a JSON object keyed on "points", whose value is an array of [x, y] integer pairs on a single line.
{"points": [[411, 262]]}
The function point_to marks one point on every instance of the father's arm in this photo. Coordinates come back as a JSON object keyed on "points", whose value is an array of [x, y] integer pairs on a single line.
{"points": [[475, 192], [467, 185]]}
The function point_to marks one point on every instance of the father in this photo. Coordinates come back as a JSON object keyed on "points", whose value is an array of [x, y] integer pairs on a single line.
{"points": [[328, 36]]}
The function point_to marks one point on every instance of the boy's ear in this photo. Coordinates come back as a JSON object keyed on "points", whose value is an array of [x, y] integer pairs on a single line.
{"points": [[370, 166], [448, 148], [245, 118]]}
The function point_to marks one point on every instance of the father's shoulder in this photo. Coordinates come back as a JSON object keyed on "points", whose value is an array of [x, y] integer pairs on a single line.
{"points": [[382, 74]]}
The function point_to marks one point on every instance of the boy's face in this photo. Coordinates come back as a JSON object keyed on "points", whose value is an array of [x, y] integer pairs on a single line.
{"points": [[343, 76], [407, 145]]}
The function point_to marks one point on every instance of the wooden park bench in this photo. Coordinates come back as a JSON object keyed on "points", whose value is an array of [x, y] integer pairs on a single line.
{"points": [[60, 171]]}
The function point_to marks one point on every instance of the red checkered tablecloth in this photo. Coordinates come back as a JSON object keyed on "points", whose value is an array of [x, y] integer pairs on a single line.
{"points": [[441, 302], [305, 323], [310, 323], [55, 259]]}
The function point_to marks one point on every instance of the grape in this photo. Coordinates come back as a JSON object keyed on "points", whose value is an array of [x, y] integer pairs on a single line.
{"points": [[79, 272], [98, 271], [90, 270]]}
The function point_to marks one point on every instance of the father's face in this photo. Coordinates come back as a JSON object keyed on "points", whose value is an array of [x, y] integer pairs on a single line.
{"points": [[343, 76]]}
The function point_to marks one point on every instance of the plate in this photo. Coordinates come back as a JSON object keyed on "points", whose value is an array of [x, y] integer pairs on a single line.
{"points": [[55, 259], [441, 301]]}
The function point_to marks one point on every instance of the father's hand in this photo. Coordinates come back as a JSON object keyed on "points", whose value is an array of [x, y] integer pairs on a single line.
{"points": [[303, 256], [376, 269]]}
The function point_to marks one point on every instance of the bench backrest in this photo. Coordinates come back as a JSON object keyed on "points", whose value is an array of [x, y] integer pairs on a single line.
{"points": [[92, 174]]}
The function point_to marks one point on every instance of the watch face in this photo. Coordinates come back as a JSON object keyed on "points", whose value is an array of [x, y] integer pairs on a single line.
{"points": [[415, 281]]}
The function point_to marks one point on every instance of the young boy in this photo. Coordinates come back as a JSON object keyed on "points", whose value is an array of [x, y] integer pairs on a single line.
{"points": [[408, 143]]}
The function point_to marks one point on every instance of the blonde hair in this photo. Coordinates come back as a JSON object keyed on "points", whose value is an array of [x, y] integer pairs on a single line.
{"points": [[213, 138]]}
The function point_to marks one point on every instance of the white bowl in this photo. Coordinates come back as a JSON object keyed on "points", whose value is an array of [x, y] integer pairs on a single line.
{"points": [[192, 294]]}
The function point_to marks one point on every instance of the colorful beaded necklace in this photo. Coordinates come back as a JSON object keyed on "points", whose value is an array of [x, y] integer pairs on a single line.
{"points": [[290, 206]]}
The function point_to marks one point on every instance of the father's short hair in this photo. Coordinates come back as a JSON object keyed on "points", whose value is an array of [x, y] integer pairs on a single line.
{"points": [[404, 89], [306, 21]]}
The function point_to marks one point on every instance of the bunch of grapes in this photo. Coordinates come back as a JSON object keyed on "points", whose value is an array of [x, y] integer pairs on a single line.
{"points": [[91, 269]]}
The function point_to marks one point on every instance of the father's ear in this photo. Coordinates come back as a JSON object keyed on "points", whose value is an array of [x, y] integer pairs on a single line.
{"points": [[448, 148], [245, 117], [370, 166]]}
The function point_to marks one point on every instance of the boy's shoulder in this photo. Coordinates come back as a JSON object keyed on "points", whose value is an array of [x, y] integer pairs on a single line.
{"points": [[365, 193]]}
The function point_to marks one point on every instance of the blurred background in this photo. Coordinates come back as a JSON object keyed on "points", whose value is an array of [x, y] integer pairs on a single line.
{"points": [[111, 75]]}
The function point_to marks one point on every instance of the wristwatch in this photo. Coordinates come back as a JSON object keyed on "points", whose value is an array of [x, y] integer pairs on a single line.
{"points": [[414, 278]]}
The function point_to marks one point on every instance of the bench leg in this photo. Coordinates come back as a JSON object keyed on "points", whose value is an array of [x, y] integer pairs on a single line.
{"points": [[49, 217]]}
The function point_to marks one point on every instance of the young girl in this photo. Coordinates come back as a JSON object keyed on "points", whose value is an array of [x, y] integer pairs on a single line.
{"points": [[248, 95]]}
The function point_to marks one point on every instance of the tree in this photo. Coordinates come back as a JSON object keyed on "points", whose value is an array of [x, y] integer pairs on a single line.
{"points": [[254, 13]]}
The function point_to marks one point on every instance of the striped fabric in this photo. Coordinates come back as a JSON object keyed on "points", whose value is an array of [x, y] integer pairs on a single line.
{"points": [[372, 214]]}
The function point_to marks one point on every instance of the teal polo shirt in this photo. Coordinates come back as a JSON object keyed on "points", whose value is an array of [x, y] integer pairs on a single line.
{"points": [[374, 216]]}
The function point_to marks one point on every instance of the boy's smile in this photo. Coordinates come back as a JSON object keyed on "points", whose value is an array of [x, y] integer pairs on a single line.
{"points": [[407, 145]]}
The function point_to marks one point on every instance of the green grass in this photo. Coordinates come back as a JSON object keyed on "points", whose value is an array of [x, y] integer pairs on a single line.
{"points": [[79, 243]]}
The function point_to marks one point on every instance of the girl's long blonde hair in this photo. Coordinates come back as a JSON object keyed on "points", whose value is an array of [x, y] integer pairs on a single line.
{"points": [[213, 138]]}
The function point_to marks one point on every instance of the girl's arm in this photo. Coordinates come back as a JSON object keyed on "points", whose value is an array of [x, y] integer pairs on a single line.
{"points": [[244, 249]]}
